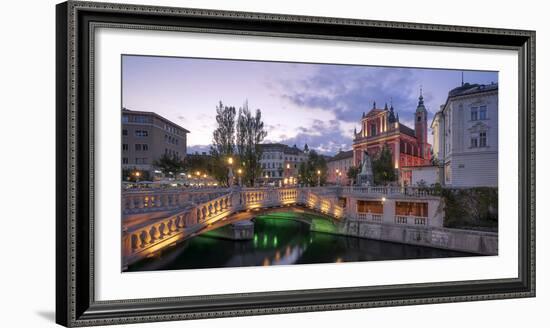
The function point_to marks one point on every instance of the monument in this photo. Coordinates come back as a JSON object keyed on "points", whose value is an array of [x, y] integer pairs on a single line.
{"points": [[365, 177]]}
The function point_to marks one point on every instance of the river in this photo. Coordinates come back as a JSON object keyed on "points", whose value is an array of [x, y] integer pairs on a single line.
{"points": [[282, 242]]}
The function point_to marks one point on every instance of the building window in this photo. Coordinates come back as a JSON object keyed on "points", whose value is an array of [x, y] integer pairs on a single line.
{"points": [[125, 147], [483, 139], [124, 118], [482, 112], [124, 132], [473, 142], [373, 130], [141, 147], [142, 133], [473, 114], [141, 119], [124, 160]]}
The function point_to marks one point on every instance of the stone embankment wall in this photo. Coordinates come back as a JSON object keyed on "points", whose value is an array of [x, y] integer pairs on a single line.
{"points": [[478, 242]]}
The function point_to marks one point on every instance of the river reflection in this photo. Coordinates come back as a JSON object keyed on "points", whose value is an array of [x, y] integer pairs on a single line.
{"points": [[281, 242]]}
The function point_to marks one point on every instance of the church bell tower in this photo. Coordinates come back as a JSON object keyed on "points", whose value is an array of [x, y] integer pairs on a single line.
{"points": [[421, 125]]}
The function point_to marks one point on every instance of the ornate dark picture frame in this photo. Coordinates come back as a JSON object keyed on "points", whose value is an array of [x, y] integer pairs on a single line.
{"points": [[75, 301]]}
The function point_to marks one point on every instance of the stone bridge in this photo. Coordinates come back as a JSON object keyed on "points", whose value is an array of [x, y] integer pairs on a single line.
{"points": [[156, 219]]}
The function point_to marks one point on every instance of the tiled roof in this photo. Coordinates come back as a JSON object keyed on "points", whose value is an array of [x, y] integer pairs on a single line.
{"points": [[406, 130], [342, 155]]}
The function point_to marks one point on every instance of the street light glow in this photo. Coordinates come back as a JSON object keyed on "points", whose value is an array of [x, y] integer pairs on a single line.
{"points": [[230, 160]]}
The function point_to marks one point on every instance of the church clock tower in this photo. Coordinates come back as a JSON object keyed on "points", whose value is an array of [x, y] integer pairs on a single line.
{"points": [[421, 126]]}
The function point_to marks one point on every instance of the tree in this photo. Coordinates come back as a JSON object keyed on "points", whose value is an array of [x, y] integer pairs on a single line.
{"points": [[169, 165], [352, 174], [223, 142], [198, 162], [382, 167], [308, 169], [250, 134]]}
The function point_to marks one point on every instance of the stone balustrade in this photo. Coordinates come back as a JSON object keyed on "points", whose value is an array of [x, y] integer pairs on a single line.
{"points": [[411, 220], [389, 191], [141, 240], [143, 201], [370, 217]]}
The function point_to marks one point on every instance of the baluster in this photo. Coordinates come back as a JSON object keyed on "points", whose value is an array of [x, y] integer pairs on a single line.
{"points": [[154, 233], [134, 242], [145, 238]]}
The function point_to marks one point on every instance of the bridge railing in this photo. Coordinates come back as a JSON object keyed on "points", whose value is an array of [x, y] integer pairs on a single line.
{"points": [[251, 198], [370, 217], [411, 220], [143, 239], [323, 204], [390, 190], [143, 201]]}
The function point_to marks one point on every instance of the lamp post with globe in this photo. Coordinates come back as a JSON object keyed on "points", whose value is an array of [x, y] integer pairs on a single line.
{"points": [[230, 176], [319, 178], [240, 173]]}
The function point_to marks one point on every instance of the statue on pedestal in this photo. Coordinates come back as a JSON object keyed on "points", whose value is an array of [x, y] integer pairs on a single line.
{"points": [[365, 177]]}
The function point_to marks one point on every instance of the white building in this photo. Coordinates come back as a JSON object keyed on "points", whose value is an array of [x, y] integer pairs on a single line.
{"points": [[465, 142], [280, 161], [421, 175]]}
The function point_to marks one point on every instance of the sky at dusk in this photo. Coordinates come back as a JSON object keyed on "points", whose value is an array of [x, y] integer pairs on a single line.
{"points": [[317, 104]]}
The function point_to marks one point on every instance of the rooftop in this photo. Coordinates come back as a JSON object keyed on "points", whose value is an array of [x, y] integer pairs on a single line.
{"points": [[140, 112], [341, 155], [467, 89], [282, 147]]}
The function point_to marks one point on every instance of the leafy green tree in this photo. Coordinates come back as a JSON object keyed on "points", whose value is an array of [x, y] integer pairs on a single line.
{"points": [[250, 134], [223, 142], [382, 167], [308, 169], [198, 162], [352, 174], [169, 165]]}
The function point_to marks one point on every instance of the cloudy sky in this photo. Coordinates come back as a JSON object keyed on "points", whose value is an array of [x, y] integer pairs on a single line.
{"points": [[317, 104]]}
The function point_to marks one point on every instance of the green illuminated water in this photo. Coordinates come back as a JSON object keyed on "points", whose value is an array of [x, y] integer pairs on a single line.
{"points": [[281, 240]]}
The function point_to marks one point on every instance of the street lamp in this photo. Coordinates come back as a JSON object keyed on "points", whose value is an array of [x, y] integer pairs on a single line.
{"points": [[266, 179], [319, 178], [240, 172], [230, 174], [137, 174]]}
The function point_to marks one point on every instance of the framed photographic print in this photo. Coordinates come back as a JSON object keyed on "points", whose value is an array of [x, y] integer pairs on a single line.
{"points": [[214, 163]]}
